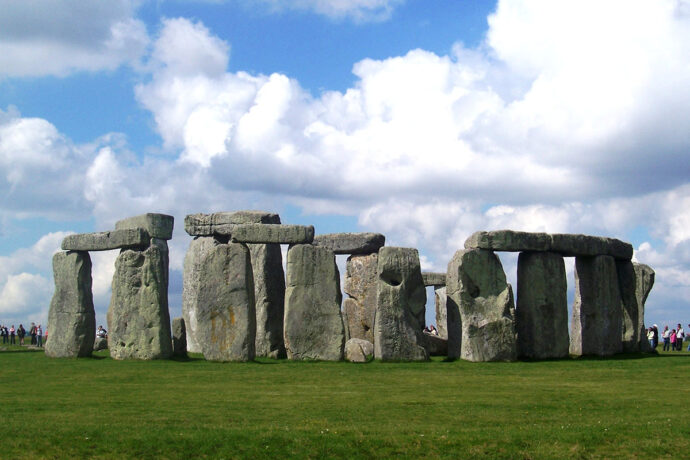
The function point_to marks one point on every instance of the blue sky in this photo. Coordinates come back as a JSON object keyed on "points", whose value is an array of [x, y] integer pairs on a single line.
{"points": [[425, 121]]}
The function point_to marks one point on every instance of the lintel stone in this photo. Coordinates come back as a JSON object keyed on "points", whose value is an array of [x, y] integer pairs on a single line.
{"points": [[272, 233], [434, 279], [221, 222], [105, 241], [157, 225], [351, 243]]}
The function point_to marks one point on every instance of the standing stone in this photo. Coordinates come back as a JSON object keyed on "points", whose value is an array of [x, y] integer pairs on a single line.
{"points": [[400, 308], [358, 350], [477, 285], [630, 320], [441, 301], [269, 295], [179, 337], [226, 318], [138, 317], [644, 282], [71, 319], [542, 306], [360, 286], [313, 322], [596, 323], [193, 267]]}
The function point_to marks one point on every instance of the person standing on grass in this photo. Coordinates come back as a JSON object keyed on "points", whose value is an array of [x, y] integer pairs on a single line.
{"points": [[32, 333], [673, 339], [680, 334], [3, 333], [688, 340], [12, 342], [21, 332], [655, 328], [666, 335], [650, 337], [39, 336]]}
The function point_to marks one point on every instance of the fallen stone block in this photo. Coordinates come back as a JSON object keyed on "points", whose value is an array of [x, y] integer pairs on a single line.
{"points": [[71, 318], [401, 306], [434, 279], [272, 233], [101, 343], [435, 345], [351, 243], [105, 241], [156, 225], [210, 224], [359, 350]]}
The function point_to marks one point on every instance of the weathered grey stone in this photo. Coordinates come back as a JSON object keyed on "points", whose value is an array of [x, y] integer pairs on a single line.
{"points": [[269, 297], [589, 246], [157, 225], [138, 318], [226, 316], [441, 311], [105, 241], [542, 306], [272, 233], [509, 240], [193, 266], [313, 322], [596, 323], [360, 285], [179, 337], [400, 308], [351, 243], [630, 326], [100, 343], [207, 224], [477, 285], [435, 345], [453, 324], [359, 350], [434, 279], [644, 282], [71, 318]]}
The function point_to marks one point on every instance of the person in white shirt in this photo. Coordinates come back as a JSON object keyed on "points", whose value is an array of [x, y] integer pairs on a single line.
{"points": [[679, 338]]}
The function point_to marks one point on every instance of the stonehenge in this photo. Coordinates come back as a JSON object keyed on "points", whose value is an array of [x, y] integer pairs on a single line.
{"points": [[239, 303]]}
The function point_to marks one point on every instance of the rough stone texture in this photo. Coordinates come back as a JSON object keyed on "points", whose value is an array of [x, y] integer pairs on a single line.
{"points": [[400, 307], [542, 306], [179, 337], [208, 224], [272, 233], [441, 312], [630, 325], [138, 318], [359, 350], [360, 285], [105, 241], [351, 243], [434, 279], [569, 245], [596, 323], [157, 225], [644, 282], [226, 318], [71, 318], [313, 322], [269, 296], [435, 345], [100, 343], [477, 285], [453, 324]]}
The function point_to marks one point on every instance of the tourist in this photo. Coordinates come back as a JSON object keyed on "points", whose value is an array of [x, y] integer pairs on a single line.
{"points": [[655, 328], [666, 335], [3, 333], [101, 332], [12, 332], [650, 337], [21, 332], [32, 333], [688, 340], [39, 336], [433, 330], [673, 339], [680, 334]]}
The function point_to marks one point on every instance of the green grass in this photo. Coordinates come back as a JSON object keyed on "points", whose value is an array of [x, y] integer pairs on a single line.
{"points": [[629, 407]]}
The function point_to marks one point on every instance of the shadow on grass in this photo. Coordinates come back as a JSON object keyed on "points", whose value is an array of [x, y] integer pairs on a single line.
{"points": [[18, 349]]}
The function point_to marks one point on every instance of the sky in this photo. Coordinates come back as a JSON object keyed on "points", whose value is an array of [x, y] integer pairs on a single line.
{"points": [[422, 120]]}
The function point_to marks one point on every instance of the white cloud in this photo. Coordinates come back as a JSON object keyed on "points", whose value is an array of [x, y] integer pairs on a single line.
{"points": [[357, 10], [52, 37]]}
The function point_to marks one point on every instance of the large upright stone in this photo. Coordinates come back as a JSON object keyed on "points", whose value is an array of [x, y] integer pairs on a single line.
{"points": [[351, 243], [542, 306], [157, 225], [400, 308], [272, 233], [226, 318], [441, 303], [193, 266], [644, 282], [596, 323], [630, 320], [179, 337], [138, 317], [221, 222], [313, 322], [106, 241], [477, 288], [269, 296], [71, 318], [360, 285]]}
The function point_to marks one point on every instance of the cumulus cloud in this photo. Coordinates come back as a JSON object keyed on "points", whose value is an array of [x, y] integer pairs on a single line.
{"points": [[52, 37]]}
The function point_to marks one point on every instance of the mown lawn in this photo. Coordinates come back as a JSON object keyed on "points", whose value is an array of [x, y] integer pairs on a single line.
{"points": [[630, 407]]}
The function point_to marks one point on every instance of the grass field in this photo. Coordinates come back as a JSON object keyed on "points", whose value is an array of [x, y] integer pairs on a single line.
{"points": [[630, 407]]}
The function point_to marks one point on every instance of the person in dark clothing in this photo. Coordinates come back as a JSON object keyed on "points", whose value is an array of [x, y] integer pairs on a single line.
{"points": [[21, 332]]}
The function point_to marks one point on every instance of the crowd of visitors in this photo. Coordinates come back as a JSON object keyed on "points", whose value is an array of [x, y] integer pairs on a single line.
{"points": [[16, 336], [673, 339]]}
